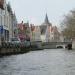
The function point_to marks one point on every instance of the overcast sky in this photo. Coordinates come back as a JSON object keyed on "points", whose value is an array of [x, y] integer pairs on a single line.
{"points": [[35, 10]]}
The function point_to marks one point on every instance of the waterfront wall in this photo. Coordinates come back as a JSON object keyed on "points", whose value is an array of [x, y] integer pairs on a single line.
{"points": [[8, 50], [53, 45], [13, 50]]}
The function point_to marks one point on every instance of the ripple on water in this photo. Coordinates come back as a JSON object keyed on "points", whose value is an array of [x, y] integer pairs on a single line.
{"points": [[47, 62]]}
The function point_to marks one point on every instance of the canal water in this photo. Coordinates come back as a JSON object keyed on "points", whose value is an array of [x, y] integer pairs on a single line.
{"points": [[44, 62]]}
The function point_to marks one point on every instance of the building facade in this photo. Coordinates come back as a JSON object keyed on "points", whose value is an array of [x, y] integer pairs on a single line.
{"points": [[35, 33], [49, 33], [14, 26], [45, 33], [23, 31], [6, 22]]}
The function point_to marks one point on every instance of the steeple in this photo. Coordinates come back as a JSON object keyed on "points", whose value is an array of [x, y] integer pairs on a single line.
{"points": [[44, 25], [46, 19]]}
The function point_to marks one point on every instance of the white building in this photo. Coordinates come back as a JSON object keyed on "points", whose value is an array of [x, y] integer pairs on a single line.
{"points": [[36, 34], [15, 26], [6, 22], [12, 22]]}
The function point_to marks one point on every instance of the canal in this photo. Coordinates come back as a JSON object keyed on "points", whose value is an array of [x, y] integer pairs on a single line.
{"points": [[44, 62]]}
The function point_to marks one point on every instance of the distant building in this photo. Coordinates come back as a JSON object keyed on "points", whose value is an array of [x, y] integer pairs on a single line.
{"points": [[23, 31], [49, 33], [55, 34], [44, 26], [35, 33]]}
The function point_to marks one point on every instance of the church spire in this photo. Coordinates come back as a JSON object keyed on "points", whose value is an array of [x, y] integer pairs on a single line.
{"points": [[46, 19]]}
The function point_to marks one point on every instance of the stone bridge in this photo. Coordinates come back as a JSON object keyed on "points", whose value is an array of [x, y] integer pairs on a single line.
{"points": [[54, 45]]}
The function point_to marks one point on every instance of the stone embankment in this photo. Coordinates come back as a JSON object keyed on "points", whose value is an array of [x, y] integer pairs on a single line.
{"points": [[9, 49], [13, 49], [18, 49]]}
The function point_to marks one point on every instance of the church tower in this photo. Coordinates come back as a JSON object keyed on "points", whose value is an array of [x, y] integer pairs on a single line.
{"points": [[46, 21], [44, 27]]}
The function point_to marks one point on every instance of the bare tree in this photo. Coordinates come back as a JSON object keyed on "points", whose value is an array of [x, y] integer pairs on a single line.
{"points": [[68, 25]]}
